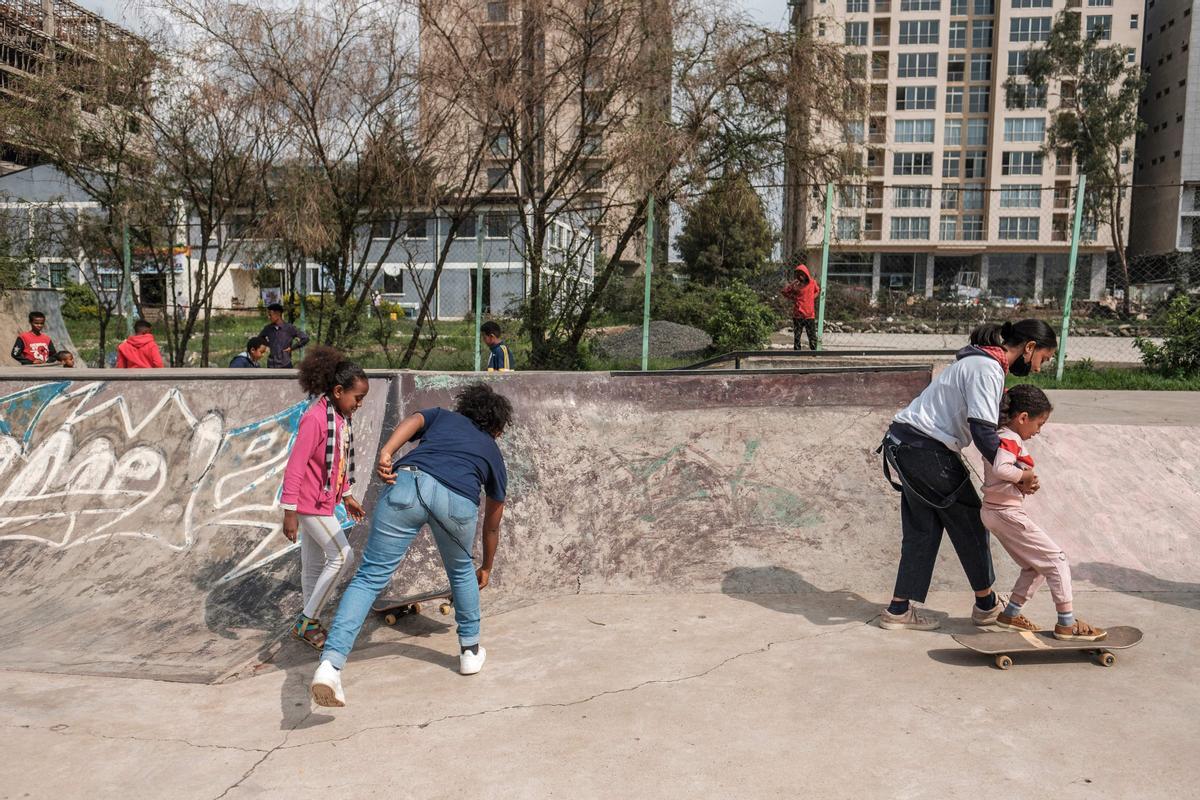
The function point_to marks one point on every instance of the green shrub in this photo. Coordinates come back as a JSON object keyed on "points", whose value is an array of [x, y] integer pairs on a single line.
{"points": [[847, 303], [684, 304], [740, 320], [1179, 354], [79, 302]]}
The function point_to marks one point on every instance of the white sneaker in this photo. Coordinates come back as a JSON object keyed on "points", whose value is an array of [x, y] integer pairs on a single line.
{"points": [[327, 686], [469, 663]]}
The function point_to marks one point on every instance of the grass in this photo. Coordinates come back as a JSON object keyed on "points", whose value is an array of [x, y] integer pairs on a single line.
{"points": [[1083, 375]]}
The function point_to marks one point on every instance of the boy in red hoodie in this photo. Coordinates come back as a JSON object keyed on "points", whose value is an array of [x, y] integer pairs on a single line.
{"points": [[803, 293], [139, 350]]}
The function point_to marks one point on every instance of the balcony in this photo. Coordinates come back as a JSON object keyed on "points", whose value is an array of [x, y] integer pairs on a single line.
{"points": [[872, 234], [883, 6]]}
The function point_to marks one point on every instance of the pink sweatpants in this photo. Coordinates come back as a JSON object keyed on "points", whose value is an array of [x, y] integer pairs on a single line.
{"points": [[1039, 558]]}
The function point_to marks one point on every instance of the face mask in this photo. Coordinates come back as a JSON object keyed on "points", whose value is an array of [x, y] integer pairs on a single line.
{"points": [[1021, 367]]}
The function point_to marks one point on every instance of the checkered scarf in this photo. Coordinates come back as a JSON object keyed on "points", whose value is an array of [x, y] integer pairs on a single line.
{"points": [[331, 444]]}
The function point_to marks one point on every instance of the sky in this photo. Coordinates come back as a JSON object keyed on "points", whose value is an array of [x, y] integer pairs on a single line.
{"points": [[767, 12]]}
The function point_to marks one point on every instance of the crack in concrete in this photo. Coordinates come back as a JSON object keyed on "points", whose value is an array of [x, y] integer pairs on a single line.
{"points": [[266, 755], [67, 730], [567, 704]]}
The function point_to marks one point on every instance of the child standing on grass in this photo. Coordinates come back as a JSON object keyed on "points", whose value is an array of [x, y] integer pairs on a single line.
{"points": [[1023, 411], [319, 475]]}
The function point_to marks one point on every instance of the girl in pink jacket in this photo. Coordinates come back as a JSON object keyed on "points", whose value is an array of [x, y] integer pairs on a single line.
{"points": [[319, 475], [1024, 409]]}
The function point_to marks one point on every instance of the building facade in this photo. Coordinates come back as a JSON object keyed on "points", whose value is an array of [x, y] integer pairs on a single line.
{"points": [[1166, 183], [957, 197]]}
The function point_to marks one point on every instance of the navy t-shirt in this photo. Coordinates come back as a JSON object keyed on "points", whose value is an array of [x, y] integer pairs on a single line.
{"points": [[459, 455]]}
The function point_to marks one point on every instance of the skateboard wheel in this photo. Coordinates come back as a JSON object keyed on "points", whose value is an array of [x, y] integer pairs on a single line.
{"points": [[1106, 659], [444, 608], [1003, 662], [390, 619], [415, 608]]}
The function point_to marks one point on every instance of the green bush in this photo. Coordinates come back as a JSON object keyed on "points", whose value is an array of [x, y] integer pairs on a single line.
{"points": [[847, 303], [79, 302], [740, 320], [1179, 354], [684, 304]]}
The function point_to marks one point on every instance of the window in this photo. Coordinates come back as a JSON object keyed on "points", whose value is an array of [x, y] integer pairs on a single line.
{"points": [[910, 227], [850, 196], [981, 66], [977, 131], [915, 98], [924, 31], [972, 228], [498, 225], [1019, 227], [497, 178], [917, 65], [1100, 3], [381, 229], [920, 5], [501, 146], [1131, 56], [856, 65], [985, 8], [958, 35], [914, 130], [979, 99], [948, 230], [857, 6], [1099, 26], [498, 12], [1018, 63], [958, 8], [972, 196], [954, 99], [912, 164], [1025, 96], [820, 29], [1032, 3], [416, 228], [394, 284], [1021, 163], [856, 33], [950, 197], [849, 228], [110, 281], [952, 164], [1021, 195], [58, 274], [912, 196], [956, 67], [975, 164], [981, 33], [466, 228], [1024, 130], [855, 132], [1029, 29], [1133, 22], [593, 143], [953, 132]]}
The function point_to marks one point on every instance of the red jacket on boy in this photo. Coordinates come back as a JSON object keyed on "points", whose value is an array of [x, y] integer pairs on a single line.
{"points": [[803, 293], [139, 350]]}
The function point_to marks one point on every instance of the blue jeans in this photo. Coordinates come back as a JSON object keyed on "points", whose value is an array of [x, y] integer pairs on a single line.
{"points": [[399, 516]]}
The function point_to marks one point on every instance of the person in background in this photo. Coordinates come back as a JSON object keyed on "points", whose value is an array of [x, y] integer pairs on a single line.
{"points": [[500, 359], [139, 351], [66, 358], [256, 348], [33, 347], [803, 292], [283, 338]]}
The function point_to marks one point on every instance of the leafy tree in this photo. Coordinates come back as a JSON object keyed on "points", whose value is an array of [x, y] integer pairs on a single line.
{"points": [[740, 320], [1094, 118], [726, 235], [1179, 354]]}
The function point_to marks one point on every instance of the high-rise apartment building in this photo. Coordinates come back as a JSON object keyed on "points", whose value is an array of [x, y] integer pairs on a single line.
{"points": [[956, 194], [1166, 177]]}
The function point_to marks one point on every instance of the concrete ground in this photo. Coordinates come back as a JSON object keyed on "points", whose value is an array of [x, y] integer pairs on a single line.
{"points": [[662, 696], [1106, 349], [645, 696]]}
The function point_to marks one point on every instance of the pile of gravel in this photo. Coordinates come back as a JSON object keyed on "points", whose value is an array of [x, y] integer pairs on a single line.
{"points": [[667, 340]]}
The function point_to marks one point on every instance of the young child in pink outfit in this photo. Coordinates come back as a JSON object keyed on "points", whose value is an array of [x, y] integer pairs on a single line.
{"points": [[1023, 411], [318, 476]]}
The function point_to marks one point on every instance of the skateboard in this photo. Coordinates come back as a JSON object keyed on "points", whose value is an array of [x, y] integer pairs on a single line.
{"points": [[393, 608], [1001, 644]]}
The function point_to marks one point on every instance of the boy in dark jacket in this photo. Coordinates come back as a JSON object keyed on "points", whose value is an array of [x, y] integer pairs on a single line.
{"points": [[282, 338], [139, 351], [33, 347], [803, 292], [256, 348]]}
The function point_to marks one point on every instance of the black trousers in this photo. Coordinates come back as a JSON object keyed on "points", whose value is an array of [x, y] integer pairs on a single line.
{"points": [[800, 324], [937, 496]]}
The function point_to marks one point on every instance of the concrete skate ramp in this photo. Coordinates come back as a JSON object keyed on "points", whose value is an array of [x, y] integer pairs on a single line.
{"points": [[15, 305]]}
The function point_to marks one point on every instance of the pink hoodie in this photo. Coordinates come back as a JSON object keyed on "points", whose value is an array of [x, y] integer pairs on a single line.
{"points": [[1000, 478], [304, 476]]}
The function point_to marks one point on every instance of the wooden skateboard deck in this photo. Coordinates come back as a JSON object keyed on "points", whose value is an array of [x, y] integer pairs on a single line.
{"points": [[393, 608], [1002, 644]]}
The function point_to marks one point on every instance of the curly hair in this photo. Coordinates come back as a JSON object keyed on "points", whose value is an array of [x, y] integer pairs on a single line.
{"points": [[1024, 397], [325, 367], [490, 411]]}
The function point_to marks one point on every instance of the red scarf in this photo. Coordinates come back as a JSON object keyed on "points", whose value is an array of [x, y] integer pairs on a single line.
{"points": [[998, 353]]}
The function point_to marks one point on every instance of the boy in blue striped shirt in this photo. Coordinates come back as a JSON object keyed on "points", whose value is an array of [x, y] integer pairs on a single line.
{"points": [[501, 359]]}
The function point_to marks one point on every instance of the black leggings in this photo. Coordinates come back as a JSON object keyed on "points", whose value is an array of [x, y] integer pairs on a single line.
{"points": [[937, 496], [803, 325]]}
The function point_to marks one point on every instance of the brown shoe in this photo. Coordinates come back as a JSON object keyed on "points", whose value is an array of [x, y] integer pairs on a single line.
{"points": [[1017, 623], [1079, 632]]}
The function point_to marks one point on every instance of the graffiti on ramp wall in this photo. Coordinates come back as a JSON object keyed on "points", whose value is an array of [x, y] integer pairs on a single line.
{"points": [[75, 469]]}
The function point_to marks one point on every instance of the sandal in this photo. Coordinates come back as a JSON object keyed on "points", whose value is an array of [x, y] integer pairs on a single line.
{"points": [[310, 631]]}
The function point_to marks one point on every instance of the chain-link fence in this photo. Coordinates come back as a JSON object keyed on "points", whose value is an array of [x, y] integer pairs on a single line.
{"points": [[917, 266]]}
